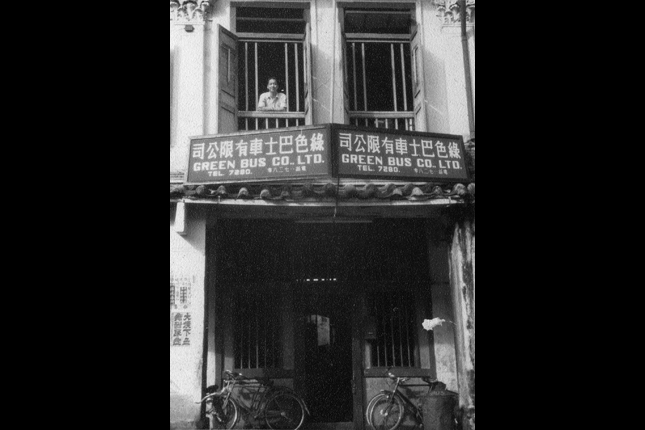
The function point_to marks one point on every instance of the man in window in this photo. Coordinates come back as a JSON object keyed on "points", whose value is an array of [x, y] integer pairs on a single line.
{"points": [[273, 100]]}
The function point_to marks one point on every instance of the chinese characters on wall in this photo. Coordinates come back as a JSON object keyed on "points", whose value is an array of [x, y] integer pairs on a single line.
{"points": [[181, 328], [180, 293], [180, 315]]}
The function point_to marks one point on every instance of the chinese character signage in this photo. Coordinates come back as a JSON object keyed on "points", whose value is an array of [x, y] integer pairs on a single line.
{"points": [[180, 293], [398, 155], [260, 156], [323, 331], [180, 305], [326, 151], [181, 328]]}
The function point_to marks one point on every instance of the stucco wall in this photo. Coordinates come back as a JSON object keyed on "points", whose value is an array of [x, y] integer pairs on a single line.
{"points": [[462, 275], [187, 262], [187, 96], [444, 335]]}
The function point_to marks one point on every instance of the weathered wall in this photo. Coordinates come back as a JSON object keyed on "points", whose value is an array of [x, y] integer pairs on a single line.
{"points": [[187, 263], [445, 79], [444, 336], [187, 94], [462, 274]]}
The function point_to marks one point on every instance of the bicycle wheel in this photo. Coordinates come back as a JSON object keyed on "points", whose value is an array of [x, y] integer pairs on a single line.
{"points": [[386, 412], [370, 405], [224, 417], [368, 410], [284, 411]]}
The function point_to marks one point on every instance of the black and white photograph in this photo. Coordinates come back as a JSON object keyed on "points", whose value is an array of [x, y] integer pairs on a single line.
{"points": [[322, 214]]}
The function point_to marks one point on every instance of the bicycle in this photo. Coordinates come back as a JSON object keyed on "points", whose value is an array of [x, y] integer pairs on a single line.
{"points": [[385, 410], [279, 407]]}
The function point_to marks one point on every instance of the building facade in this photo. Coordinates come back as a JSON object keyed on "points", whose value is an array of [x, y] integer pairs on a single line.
{"points": [[318, 280]]}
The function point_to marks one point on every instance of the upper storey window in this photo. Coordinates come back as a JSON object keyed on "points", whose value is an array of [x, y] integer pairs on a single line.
{"points": [[379, 68], [382, 79], [273, 43]]}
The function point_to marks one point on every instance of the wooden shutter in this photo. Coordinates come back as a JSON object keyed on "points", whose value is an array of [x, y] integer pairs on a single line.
{"points": [[227, 104], [418, 83], [309, 97], [343, 48], [171, 78]]}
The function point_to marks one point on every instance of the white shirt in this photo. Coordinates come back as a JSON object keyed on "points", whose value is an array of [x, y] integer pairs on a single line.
{"points": [[279, 102]]}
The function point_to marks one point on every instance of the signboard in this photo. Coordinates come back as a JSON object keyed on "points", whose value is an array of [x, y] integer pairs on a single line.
{"points": [[324, 152], [180, 308], [372, 153], [323, 330], [181, 328], [289, 153]]}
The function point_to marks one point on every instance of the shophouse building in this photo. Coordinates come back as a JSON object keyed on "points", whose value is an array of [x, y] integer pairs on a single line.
{"points": [[309, 245]]}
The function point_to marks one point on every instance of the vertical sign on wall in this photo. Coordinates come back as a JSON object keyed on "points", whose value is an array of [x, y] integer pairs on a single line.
{"points": [[181, 328], [323, 330], [180, 315]]}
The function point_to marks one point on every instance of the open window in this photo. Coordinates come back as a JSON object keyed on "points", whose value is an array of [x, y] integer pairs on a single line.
{"points": [[382, 69], [273, 42]]}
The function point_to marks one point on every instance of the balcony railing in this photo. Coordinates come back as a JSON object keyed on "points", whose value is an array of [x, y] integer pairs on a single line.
{"points": [[263, 120], [392, 120]]}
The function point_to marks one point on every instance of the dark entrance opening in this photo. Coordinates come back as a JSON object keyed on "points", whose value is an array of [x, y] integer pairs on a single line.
{"points": [[293, 300], [327, 351]]}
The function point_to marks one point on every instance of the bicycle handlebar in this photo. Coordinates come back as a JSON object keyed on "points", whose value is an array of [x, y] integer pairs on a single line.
{"points": [[234, 375], [399, 379], [240, 377], [202, 400]]}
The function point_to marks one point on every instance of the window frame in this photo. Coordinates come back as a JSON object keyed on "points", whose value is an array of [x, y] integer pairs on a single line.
{"points": [[363, 118], [425, 361], [300, 117]]}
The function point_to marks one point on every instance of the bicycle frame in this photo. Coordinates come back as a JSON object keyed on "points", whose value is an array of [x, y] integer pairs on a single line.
{"points": [[396, 393], [260, 390], [256, 409], [405, 400]]}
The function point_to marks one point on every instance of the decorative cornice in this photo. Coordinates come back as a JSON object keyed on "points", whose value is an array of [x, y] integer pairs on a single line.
{"points": [[449, 11], [188, 12]]}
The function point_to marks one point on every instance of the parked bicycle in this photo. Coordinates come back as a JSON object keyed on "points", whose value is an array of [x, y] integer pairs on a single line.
{"points": [[279, 407], [385, 410]]}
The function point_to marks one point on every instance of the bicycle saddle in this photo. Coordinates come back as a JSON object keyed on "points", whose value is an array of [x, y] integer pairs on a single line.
{"points": [[394, 377]]}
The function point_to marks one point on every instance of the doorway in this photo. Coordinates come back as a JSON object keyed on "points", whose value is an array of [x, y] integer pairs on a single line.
{"points": [[305, 305], [327, 372]]}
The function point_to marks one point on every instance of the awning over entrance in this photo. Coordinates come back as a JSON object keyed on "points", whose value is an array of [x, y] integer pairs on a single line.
{"points": [[327, 163], [326, 192]]}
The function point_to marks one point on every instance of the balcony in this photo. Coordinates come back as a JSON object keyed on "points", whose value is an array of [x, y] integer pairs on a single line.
{"points": [[265, 120], [391, 120]]}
